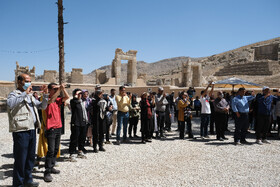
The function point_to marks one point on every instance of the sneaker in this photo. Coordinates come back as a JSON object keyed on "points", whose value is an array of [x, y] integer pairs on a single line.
{"points": [[101, 149], [130, 136], [207, 136], [135, 136], [225, 138], [259, 142], [113, 134], [47, 177], [55, 171], [118, 142], [220, 139], [266, 141], [237, 143], [143, 142], [202, 137], [81, 155], [107, 142], [72, 158]]}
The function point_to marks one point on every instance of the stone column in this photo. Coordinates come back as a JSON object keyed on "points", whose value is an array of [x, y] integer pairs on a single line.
{"points": [[199, 76], [134, 72], [129, 72], [118, 71]]}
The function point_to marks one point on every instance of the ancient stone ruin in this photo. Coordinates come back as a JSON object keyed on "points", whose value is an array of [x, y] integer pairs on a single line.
{"points": [[77, 76], [191, 74], [100, 76], [131, 66], [20, 70], [50, 76]]}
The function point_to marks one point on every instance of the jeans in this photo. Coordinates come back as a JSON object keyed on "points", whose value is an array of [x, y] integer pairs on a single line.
{"points": [[205, 118], [53, 138], [241, 127], [24, 155], [122, 120]]}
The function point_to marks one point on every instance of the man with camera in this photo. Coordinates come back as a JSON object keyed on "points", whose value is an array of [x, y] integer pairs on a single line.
{"points": [[264, 102], [123, 102], [23, 120], [53, 127]]}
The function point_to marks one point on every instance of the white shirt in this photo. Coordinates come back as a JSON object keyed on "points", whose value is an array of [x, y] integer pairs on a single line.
{"points": [[205, 105]]}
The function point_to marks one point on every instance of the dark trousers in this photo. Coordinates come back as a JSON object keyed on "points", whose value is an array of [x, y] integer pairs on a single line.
{"points": [[145, 128], [53, 138], [263, 126], [151, 127], [181, 129], [108, 124], [24, 155], [197, 109], [77, 138], [98, 134], [220, 123], [133, 122], [241, 127], [212, 122], [205, 118], [189, 127], [160, 121]]}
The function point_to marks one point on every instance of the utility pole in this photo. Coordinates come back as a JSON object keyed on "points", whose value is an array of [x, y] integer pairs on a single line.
{"points": [[61, 56], [61, 41]]}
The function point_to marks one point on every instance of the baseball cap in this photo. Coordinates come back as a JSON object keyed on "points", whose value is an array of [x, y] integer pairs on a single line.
{"points": [[160, 88], [265, 87]]}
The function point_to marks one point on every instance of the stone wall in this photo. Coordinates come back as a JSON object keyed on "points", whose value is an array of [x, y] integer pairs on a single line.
{"points": [[101, 76], [77, 75], [269, 52], [50, 76]]}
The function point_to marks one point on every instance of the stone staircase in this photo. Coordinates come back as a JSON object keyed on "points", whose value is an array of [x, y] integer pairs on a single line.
{"points": [[252, 69]]}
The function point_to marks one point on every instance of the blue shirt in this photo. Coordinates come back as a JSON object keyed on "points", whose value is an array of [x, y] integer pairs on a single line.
{"points": [[241, 104], [113, 101], [264, 104], [196, 102]]}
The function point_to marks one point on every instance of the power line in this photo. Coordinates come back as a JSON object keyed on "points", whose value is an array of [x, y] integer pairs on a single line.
{"points": [[27, 52]]}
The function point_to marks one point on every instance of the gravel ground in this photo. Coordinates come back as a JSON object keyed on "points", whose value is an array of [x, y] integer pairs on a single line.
{"points": [[168, 162]]}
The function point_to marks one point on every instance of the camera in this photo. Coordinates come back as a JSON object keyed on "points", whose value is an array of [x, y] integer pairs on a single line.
{"points": [[67, 86], [36, 88]]}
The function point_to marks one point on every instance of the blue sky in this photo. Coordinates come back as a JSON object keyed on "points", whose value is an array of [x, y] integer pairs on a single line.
{"points": [[158, 29]]}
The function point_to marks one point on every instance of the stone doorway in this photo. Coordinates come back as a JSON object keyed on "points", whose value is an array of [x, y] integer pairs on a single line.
{"points": [[130, 56]]}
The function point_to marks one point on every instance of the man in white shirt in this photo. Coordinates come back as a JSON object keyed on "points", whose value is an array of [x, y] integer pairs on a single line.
{"points": [[205, 111]]}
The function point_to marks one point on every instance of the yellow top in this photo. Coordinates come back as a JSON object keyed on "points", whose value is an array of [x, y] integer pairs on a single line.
{"points": [[123, 103], [181, 106]]}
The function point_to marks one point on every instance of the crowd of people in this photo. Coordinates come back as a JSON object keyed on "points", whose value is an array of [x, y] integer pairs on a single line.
{"points": [[98, 117]]}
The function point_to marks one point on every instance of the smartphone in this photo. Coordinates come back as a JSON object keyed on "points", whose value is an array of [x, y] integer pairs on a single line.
{"points": [[36, 88], [67, 86], [127, 93]]}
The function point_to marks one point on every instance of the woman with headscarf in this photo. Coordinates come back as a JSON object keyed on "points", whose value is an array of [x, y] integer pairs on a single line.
{"points": [[79, 120], [134, 111], [146, 116], [98, 110]]}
